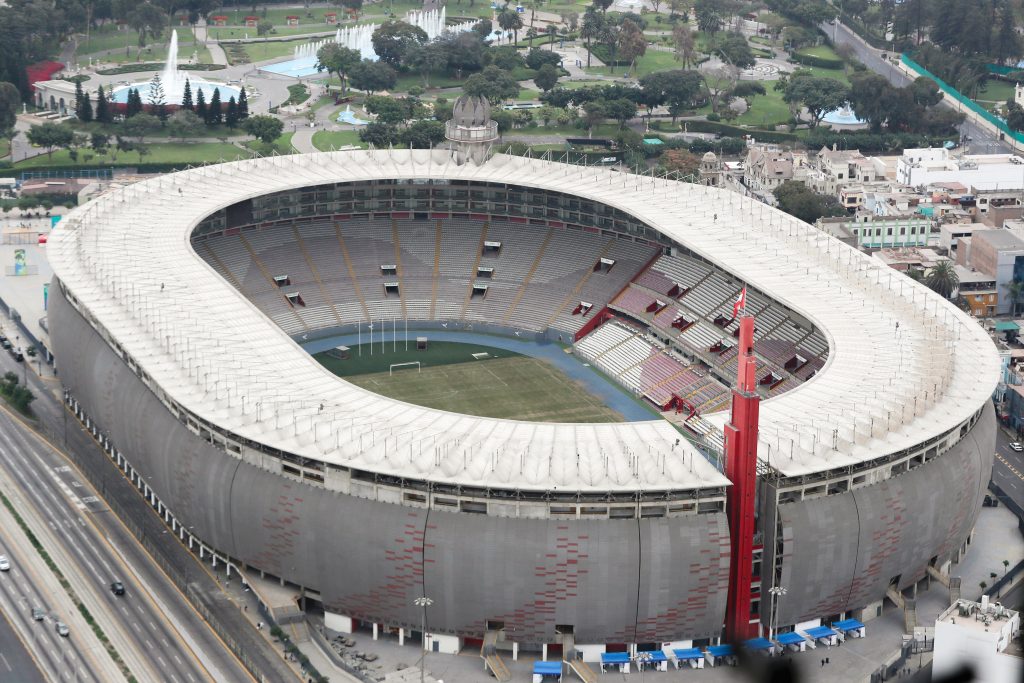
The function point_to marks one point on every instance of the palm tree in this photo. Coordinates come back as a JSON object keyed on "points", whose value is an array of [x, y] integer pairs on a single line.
{"points": [[1015, 289], [942, 279]]}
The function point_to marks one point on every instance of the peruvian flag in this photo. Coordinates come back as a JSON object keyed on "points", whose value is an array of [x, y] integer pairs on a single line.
{"points": [[741, 303]]}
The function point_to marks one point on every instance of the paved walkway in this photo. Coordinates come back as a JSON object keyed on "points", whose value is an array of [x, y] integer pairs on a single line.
{"points": [[614, 396], [217, 54]]}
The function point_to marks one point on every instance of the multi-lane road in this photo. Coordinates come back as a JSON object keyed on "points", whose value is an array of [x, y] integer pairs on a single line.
{"points": [[162, 637], [1008, 469], [981, 139]]}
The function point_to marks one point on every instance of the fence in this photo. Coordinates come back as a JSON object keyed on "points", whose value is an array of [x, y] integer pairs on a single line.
{"points": [[99, 173], [968, 103]]}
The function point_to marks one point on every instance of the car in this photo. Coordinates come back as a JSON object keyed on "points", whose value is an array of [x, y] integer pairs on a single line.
{"points": [[1016, 447], [17, 356], [38, 614], [117, 588], [6, 343], [62, 629], [5, 564]]}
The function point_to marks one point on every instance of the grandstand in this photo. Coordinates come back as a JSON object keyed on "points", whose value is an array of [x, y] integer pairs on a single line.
{"points": [[875, 437]]}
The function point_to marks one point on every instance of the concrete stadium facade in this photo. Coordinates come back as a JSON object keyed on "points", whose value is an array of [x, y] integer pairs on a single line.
{"points": [[838, 534]]}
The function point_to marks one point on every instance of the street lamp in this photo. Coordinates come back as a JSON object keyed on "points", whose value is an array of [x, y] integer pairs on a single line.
{"points": [[423, 602], [776, 592]]}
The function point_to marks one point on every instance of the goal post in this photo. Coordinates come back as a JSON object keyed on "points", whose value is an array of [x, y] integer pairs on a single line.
{"points": [[391, 371]]}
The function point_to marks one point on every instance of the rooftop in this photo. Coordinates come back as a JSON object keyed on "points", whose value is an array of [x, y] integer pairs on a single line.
{"points": [[999, 239], [143, 283]]}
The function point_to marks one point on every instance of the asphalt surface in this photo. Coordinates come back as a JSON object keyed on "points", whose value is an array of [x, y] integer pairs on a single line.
{"points": [[203, 654], [982, 141], [1008, 469], [16, 664]]}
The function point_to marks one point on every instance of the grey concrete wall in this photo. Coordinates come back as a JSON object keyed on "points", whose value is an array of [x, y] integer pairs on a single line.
{"points": [[613, 580], [841, 552]]}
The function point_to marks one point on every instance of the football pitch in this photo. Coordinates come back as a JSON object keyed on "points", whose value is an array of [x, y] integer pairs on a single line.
{"points": [[503, 384]]}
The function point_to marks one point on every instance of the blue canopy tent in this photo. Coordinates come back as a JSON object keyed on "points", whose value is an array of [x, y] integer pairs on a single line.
{"points": [[850, 627], [792, 639], [760, 645], [620, 660], [717, 653], [691, 655], [822, 633], [655, 659], [547, 671]]}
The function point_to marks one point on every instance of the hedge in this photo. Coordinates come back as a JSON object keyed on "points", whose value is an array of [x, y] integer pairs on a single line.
{"points": [[820, 62], [701, 126], [156, 66]]}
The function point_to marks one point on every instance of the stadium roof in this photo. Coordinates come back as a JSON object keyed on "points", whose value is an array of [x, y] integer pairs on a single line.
{"points": [[904, 365]]}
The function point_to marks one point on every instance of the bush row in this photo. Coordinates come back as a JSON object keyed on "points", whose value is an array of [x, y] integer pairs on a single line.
{"points": [[820, 62], [156, 66]]}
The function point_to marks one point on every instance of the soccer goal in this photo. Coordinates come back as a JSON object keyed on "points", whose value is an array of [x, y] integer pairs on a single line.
{"points": [[391, 372]]}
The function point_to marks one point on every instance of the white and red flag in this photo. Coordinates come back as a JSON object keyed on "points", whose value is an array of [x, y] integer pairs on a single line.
{"points": [[741, 303]]}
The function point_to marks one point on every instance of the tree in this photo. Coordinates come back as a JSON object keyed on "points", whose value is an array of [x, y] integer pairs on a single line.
{"points": [[602, 5], [263, 27], [214, 114], [591, 28], [148, 20], [593, 113], [552, 32], [1006, 566], [103, 113], [680, 161], [684, 47], [734, 48], [531, 33], [157, 99], [1015, 290], [243, 105], [265, 128], [338, 60], [388, 109], [379, 134], [1014, 115], [372, 76], [140, 126], [942, 279], [536, 58], [10, 98], [99, 142], [50, 136], [423, 134], [622, 110], [631, 43], [231, 114], [819, 95], [493, 84], [202, 111], [719, 82], [546, 78], [800, 201], [184, 123], [709, 17], [186, 97], [83, 108], [510, 22], [133, 105], [427, 59], [393, 39]]}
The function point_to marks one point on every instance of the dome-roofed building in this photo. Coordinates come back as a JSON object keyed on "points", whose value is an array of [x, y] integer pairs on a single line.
{"points": [[471, 130], [710, 170]]}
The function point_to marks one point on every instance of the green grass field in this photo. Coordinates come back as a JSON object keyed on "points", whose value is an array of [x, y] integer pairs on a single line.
{"points": [[324, 140], [504, 385]]}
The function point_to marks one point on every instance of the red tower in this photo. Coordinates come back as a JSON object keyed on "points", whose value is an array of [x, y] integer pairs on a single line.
{"points": [[741, 469]]}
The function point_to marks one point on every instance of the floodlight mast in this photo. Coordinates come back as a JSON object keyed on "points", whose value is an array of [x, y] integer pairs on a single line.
{"points": [[741, 469]]}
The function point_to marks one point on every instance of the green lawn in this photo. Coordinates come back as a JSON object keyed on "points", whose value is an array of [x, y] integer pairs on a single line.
{"points": [[257, 52], [653, 60], [160, 153], [326, 139], [282, 145], [107, 38], [996, 91], [5, 147], [822, 51], [765, 110], [502, 385], [242, 32]]}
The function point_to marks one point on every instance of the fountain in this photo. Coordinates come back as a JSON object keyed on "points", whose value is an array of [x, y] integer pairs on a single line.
{"points": [[843, 116], [359, 38], [348, 116], [173, 82]]}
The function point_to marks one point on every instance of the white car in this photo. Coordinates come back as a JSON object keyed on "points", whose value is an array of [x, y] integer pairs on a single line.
{"points": [[5, 564], [62, 629], [1017, 447]]}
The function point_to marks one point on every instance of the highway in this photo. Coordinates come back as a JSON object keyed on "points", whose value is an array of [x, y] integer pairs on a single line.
{"points": [[1008, 469], [158, 617], [16, 664], [982, 141]]}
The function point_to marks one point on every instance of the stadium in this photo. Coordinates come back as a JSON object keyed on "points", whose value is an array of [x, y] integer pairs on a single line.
{"points": [[195, 319]]}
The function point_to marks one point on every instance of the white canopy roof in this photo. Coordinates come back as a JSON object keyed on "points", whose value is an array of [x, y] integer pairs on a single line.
{"points": [[904, 365]]}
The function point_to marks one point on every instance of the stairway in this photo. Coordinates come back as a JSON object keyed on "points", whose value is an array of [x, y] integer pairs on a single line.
{"points": [[492, 662], [909, 615]]}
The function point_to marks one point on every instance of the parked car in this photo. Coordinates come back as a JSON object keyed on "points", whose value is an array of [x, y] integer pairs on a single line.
{"points": [[5, 564], [1016, 446], [62, 629], [117, 588]]}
